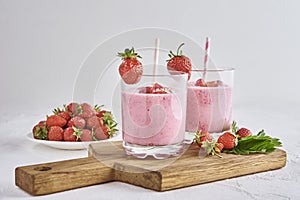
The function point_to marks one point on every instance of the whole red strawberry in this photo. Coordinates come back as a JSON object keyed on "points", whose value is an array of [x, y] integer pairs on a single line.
{"points": [[100, 113], [101, 134], [179, 62], [243, 132], [55, 133], [62, 113], [40, 131], [68, 135], [86, 111], [86, 135], [73, 108], [218, 147], [94, 122], [77, 122], [228, 140], [200, 82], [201, 137], [55, 120], [130, 69]]}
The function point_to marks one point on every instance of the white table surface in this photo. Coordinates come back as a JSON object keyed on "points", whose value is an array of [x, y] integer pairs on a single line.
{"points": [[278, 119]]}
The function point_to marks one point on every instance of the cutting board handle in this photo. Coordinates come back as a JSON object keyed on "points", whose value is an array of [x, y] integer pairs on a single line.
{"points": [[63, 175]]}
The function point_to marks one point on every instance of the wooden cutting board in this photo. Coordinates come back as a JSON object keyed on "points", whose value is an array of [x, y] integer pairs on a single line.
{"points": [[108, 162]]}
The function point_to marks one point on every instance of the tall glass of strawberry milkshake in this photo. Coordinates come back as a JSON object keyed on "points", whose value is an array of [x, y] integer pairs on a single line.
{"points": [[154, 114], [209, 101]]}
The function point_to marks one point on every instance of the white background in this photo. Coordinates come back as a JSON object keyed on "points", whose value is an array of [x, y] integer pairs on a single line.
{"points": [[44, 42]]}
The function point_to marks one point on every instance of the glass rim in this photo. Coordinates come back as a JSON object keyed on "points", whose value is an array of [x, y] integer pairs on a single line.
{"points": [[221, 69], [172, 74]]}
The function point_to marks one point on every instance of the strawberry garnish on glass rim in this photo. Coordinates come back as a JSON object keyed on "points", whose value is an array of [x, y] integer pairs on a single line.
{"points": [[131, 68], [179, 62]]}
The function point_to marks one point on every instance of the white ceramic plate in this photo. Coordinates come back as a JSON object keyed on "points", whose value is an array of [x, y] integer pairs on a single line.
{"points": [[66, 145]]}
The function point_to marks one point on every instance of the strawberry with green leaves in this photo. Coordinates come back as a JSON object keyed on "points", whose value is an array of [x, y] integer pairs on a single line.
{"points": [[40, 131], [202, 136], [228, 140], [179, 62], [62, 113], [69, 136], [131, 68]]}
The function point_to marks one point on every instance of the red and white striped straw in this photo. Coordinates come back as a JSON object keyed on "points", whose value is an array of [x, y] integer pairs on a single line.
{"points": [[206, 57]]}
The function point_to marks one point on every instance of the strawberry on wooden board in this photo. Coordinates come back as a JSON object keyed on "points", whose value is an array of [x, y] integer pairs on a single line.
{"points": [[179, 62], [68, 135], [243, 132], [131, 68], [228, 140], [55, 120], [202, 136], [55, 133], [77, 122]]}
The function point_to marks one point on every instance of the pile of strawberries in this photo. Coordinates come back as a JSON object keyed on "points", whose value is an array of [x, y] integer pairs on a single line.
{"points": [[76, 122], [228, 140]]}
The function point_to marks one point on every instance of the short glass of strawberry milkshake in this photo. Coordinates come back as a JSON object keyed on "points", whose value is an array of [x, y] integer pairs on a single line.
{"points": [[154, 114], [209, 100]]}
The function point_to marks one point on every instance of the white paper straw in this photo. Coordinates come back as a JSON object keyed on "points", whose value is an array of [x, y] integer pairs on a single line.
{"points": [[156, 55]]}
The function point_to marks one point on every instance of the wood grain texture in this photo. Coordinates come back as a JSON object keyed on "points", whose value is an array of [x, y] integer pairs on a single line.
{"points": [[107, 162], [63, 175], [190, 169]]}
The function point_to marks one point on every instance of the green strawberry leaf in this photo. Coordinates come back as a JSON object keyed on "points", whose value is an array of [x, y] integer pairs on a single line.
{"points": [[260, 143]]}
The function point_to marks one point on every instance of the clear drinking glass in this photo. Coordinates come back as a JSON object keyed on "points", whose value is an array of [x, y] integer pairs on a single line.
{"points": [[154, 114], [209, 101]]}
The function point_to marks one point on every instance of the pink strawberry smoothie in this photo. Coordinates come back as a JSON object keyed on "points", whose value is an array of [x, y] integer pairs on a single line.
{"points": [[208, 108], [152, 119]]}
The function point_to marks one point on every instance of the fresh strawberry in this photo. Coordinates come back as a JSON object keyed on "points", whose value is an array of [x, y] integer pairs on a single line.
{"points": [[100, 113], [228, 140], [94, 122], [110, 123], [73, 108], [86, 111], [86, 135], [130, 69], [62, 113], [55, 133], [55, 120], [69, 135], [218, 147], [101, 134], [40, 131], [243, 132], [179, 62], [40, 124], [200, 82], [202, 136], [77, 122], [155, 89]]}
